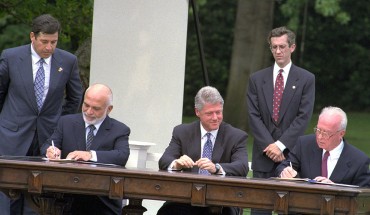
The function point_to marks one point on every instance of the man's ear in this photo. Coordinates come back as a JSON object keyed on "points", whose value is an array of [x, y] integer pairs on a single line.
{"points": [[110, 107], [197, 112], [292, 48]]}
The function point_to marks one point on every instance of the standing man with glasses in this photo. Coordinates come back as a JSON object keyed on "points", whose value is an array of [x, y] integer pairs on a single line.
{"points": [[280, 102], [325, 156], [38, 84]]}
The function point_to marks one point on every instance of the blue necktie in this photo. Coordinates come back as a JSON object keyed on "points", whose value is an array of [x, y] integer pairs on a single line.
{"points": [[90, 137], [39, 84], [207, 153]]}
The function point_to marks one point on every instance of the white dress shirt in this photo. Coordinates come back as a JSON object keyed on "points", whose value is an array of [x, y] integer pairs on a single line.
{"points": [[35, 66]]}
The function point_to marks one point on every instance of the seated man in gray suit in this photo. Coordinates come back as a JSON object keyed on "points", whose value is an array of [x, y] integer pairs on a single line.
{"points": [[106, 142], [326, 156], [187, 151]]}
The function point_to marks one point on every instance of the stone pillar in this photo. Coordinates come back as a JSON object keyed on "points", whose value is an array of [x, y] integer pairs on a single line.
{"points": [[138, 49]]}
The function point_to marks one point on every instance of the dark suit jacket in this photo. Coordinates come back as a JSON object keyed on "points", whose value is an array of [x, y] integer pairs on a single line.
{"points": [[229, 148], [110, 144], [306, 157], [295, 112], [19, 116]]}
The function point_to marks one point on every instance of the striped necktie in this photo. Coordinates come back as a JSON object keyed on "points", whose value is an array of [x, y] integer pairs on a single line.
{"points": [[90, 137], [39, 84]]}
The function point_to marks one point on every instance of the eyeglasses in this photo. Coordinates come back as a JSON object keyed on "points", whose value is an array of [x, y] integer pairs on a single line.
{"points": [[275, 48], [324, 134]]}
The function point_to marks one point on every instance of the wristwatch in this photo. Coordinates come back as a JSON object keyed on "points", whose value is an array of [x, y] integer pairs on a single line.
{"points": [[218, 168]]}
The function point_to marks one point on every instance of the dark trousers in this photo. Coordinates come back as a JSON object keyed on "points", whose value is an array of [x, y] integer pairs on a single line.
{"points": [[257, 174], [20, 206], [17, 207], [95, 205], [170, 208]]}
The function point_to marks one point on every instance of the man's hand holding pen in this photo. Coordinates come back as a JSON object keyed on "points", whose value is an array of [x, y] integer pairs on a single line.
{"points": [[53, 152], [288, 172]]}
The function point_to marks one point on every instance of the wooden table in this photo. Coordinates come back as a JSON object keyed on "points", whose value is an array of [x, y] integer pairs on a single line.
{"points": [[43, 178]]}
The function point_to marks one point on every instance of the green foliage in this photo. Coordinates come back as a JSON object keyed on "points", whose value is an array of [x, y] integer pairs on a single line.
{"points": [[336, 49], [336, 42], [217, 18], [332, 8], [327, 7], [293, 10], [75, 17]]}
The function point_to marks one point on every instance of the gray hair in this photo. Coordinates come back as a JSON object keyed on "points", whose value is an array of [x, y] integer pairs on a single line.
{"points": [[208, 95], [336, 111], [278, 32]]}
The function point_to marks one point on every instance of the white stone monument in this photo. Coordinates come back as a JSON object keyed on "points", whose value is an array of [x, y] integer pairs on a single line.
{"points": [[138, 49]]}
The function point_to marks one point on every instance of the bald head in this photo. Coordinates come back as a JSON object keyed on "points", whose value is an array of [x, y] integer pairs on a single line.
{"points": [[335, 116], [97, 103], [100, 92]]}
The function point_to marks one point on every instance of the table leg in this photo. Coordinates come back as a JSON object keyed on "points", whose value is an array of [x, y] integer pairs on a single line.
{"points": [[134, 207]]}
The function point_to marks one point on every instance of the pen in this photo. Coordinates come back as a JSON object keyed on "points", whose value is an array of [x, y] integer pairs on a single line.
{"points": [[291, 164]]}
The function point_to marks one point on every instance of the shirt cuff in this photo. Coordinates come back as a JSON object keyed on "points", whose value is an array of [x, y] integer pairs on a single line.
{"points": [[93, 156], [221, 172], [281, 146], [170, 167]]}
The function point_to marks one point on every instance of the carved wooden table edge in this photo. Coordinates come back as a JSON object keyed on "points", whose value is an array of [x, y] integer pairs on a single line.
{"points": [[50, 180]]}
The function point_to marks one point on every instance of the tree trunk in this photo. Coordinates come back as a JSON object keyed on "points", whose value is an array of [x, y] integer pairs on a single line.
{"points": [[250, 53], [83, 54]]}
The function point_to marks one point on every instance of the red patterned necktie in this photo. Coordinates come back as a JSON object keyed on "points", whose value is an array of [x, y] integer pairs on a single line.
{"points": [[324, 165], [278, 94]]}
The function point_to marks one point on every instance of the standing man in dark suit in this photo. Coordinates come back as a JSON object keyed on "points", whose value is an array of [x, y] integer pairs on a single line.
{"points": [[38, 84], [345, 164], [277, 117], [186, 151], [109, 144]]}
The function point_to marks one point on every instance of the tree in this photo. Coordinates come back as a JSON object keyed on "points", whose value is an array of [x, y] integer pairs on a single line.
{"points": [[75, 17], [336, 49], [217, 18], [248, 55], [332, 42]]}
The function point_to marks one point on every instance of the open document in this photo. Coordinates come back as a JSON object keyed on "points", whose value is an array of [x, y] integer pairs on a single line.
{"points": [[313, 181]]}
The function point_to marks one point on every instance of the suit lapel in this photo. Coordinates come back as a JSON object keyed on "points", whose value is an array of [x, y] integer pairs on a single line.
{"points": [[268, 88], [343, 165], [26, 74], [78, 129], [218, 148], [289, 91], [101, 134], [316, 159], [195, 140], [56, 71]]}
